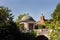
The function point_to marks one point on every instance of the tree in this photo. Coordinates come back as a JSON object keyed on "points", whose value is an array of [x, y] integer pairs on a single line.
{"points": [[8, 28], [5, 16], [56, 22], [56, 12], [19, 18], [56, 17]]}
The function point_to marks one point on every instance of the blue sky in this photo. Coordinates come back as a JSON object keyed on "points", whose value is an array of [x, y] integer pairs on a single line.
{"points": [[34, 7]]}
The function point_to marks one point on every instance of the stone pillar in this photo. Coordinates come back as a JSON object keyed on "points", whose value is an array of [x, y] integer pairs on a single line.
{"points": [[26, 27], [34, 26]]}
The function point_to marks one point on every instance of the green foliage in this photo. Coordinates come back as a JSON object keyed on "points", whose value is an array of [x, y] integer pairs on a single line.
{"points": [[27, 36], [10, 33], [41, 26], [8, 28], [56, 14], [49, 25], [22, 26], [5, 16], [34, 33], [55, 35]]}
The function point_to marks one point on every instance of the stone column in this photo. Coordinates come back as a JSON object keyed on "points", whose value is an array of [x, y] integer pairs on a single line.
{"points": [[34, 26], [26, 27]]}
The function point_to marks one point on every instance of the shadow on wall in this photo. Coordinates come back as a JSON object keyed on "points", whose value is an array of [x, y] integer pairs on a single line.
{"points": [[41, 37]]}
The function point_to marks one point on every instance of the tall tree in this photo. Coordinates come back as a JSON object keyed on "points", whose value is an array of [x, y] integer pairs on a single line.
{"points": [[56, 22], [56, 16], [5, 16], [8, 28]]}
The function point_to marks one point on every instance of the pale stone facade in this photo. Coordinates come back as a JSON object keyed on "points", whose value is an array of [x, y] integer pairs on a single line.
{"points": [[29, 23], [26, 25], [44, 32]]}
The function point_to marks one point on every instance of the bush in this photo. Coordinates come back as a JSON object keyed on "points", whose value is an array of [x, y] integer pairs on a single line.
{"points": [[41, 26]]}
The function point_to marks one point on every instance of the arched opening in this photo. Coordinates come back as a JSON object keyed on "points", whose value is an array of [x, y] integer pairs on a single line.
{"points": [[30, 26], [41, 37]]}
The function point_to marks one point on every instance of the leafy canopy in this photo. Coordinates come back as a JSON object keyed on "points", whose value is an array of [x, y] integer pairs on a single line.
{"points": [[55, 35], [5, 16]]}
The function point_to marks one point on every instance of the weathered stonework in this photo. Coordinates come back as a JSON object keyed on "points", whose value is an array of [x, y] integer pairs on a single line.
{"points": [[44, 32]]}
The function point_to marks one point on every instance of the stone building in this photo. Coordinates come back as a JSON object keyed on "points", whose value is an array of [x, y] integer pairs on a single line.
{"points": [[29, 23]]}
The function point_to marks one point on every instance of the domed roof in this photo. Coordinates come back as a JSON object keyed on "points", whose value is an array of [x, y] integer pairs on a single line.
{"points": [[27, 18]]}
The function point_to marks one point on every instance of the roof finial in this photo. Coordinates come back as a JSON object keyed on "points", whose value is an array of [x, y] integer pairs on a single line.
{"points": [[42, 14]]}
